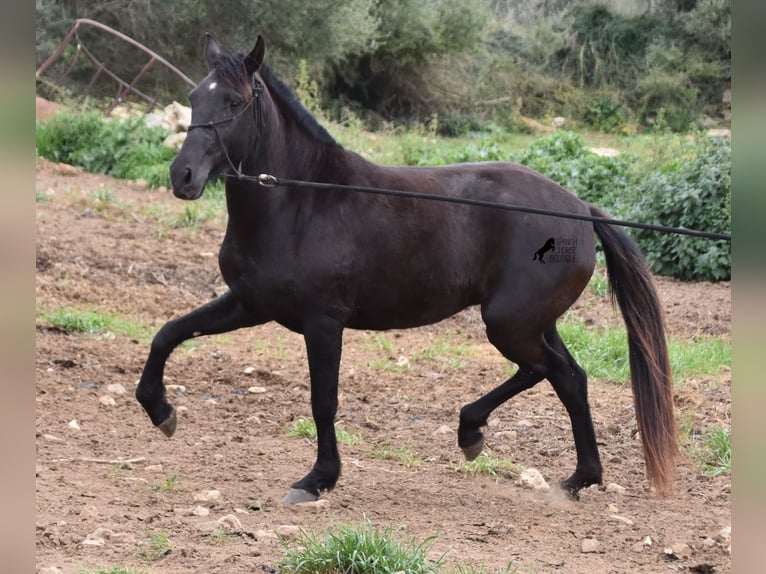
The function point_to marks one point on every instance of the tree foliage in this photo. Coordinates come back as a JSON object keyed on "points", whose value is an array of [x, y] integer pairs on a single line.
{"points": [[602, 62]]}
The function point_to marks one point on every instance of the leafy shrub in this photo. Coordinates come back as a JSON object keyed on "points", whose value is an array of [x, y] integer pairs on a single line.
{"points": [[565, 158], [125, 149], [694, 194]]}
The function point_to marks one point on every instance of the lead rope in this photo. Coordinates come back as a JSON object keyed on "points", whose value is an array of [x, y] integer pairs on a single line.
{"points": [[266, 180]]}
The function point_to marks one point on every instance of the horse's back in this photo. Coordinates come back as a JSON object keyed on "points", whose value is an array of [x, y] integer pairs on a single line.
{"points": [[424, 260]]}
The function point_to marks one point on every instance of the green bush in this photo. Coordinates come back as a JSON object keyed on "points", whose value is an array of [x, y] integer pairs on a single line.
{"points": [[694, 194], [565, 158], [125, 149]]}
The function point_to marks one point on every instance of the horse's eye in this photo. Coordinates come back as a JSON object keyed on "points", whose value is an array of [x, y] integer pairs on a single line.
{"points": [[235, 103]]}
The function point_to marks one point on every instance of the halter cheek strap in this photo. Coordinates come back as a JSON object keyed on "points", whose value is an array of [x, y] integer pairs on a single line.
{"points": [[257, 88]]}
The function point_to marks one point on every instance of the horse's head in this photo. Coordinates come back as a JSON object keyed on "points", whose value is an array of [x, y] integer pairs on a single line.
{"points": [[224, 118]]}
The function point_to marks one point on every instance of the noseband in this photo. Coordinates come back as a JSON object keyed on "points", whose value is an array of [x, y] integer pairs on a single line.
{"points": [[257, 87]]}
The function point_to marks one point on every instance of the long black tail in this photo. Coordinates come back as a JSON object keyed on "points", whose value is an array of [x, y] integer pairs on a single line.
{"points": [[632, 287]]}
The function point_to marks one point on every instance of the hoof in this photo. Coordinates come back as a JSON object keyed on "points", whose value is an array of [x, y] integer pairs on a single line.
{"points": [[471, 452], [297, 496], [168, 426]]}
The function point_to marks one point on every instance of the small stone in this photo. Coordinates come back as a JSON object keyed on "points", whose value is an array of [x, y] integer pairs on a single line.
{"points": [[638, 547], [509, 434], [208, 527], [623, 519], [494, 422], [51, 570], [616, 488], [444, 429], [256, 390], [208, 496], [182, 411], [116, 389], [288, 531], [89, 511], [156, 468], [402, 361], [725, 533], [177, 389], [74, 425], [313, 504], [531, 478], [558, 122], [612, 509], [107, 401], [249, 370], [140, 184], [708, 542], [647, 541], [230, 523], [681, 549], [590, 545], [52, 438]]}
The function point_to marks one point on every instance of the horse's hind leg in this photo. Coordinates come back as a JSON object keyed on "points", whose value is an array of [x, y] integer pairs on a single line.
{"points": [[538, 356], [218, 316], [525, 348], [473, 416], [571, 385]]}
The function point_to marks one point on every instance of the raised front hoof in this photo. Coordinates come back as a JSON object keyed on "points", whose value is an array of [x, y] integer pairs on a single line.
{"points": [[168, 426], [472, 451], [298, 496]]}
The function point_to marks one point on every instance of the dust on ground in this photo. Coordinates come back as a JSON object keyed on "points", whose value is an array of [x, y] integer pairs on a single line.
{"points": [[117, 248]]}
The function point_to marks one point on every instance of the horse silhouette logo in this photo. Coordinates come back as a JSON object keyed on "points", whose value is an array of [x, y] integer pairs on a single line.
{"points": [[550, 245]]}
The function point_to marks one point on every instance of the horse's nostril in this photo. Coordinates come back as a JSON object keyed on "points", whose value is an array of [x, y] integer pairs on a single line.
{"points": [[187, 176]]}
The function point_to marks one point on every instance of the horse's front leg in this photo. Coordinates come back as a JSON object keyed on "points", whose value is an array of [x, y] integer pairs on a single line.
{"points": [[218, 316], [324, 340]]}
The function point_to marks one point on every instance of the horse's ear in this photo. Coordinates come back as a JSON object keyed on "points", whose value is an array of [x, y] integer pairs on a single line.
{"points": [[254, 59], [213, 50]]}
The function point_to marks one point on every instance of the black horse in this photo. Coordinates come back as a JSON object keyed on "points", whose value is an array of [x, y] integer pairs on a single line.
{"points": [[318, 262]]}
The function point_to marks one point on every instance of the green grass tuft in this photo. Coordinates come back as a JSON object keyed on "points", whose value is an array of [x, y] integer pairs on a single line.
{"points": [[713, 451], [489, 464], [304, 427], [358, 549], [90, 322]]}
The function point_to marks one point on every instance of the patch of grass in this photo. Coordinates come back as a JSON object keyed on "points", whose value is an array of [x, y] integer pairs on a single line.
{"points": [[513, 567], [42, 197], [158, 546], [603, 352], [168, 485], [713, 451], [219, 537], [701, 356], [90, 322], [304, 427], [489, 464], [403, 454], [358, 549], [445, 353]]}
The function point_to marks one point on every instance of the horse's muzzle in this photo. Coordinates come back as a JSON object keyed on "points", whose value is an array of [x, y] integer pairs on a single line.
{"points": [[188, 181]]}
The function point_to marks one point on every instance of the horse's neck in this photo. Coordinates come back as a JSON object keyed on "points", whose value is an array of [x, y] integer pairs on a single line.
{"points": [[286, 151]]}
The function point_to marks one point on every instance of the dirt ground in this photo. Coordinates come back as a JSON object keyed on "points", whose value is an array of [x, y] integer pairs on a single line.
{"points": [[110, 246]]}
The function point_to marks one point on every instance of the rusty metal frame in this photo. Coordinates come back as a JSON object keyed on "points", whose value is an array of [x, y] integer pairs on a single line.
{"points": [[123, 87]]}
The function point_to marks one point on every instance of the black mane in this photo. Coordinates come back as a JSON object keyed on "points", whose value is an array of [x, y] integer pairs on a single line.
{"points": [[230, 68], [295, 107]]}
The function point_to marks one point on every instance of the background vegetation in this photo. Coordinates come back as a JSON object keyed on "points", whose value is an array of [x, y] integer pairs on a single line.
{"points": [[611, 65]]}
